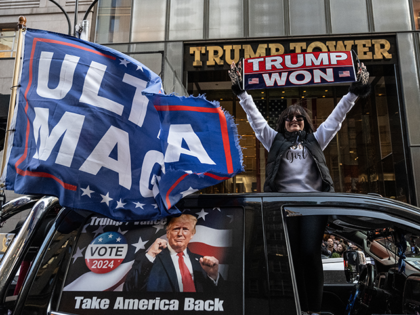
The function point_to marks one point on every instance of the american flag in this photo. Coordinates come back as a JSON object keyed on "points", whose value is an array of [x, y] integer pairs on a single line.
{"points": [[214, 236], [253, 81], [343, 74]]}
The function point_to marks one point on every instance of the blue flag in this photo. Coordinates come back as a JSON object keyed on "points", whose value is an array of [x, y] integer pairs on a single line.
{"points": [[94, 128]]}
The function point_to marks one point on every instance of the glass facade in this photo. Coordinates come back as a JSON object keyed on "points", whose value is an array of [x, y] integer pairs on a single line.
{"points": [[391, 15], [186, 20], [416, 14], [225, 18], [113, 21], [308, 17], [149, 22], [142, 21], [349, 16], [264, 18], [8, 42]]}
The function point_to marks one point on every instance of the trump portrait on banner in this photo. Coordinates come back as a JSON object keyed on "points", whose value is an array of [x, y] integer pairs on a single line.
{"points": [[169, 266]]}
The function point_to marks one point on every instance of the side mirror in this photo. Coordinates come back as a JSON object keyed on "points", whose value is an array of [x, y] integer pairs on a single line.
{"points": [[354, 263]]}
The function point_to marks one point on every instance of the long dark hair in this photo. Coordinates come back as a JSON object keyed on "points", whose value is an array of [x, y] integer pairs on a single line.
{"points": [[295, 109]]}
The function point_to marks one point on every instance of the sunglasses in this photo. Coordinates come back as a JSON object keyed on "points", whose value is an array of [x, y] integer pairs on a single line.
{"points": [[291, 116]]}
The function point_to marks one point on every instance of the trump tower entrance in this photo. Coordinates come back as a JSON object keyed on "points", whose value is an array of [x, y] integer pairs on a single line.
{"points": [[366, 156]]}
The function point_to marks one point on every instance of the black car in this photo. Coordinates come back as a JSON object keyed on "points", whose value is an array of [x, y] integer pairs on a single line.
{"points": [[66, 261]]}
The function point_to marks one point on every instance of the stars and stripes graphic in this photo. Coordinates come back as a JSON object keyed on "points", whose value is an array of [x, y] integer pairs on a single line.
{"points": [[253, 81], [343, 74], [218, 234]]}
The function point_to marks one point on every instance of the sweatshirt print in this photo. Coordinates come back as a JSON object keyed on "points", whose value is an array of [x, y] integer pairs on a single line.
{"points": [[298, 171]]}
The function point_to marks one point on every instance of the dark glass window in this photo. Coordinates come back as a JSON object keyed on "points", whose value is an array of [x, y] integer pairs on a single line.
{"points": [[8, 42], [416, 9]]}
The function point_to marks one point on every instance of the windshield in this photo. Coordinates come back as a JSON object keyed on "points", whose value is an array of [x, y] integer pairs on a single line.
{"points": [[412, 251], [412, 245]]}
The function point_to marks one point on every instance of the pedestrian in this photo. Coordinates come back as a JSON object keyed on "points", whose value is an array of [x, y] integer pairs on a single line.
{"points": [[341, 248]]}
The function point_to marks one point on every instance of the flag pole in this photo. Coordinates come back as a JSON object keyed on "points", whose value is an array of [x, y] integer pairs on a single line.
{"points": [[21, 26]]}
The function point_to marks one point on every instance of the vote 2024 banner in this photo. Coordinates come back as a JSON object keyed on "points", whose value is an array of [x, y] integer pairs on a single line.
{"points": [[291, 70]]}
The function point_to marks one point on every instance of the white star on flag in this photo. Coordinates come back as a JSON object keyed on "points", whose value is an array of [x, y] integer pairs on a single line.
{"points": [[139, 205], [84, 228], [119, 239], [101, 239], [110, 236], [122, 232], [106, 199], [218, 209], [100, 230], [158, 227], [87, 191], [139, 68], [120, 204], [139, 245], [202, 214], [124, 62], [79, 253], [231, 218], [187, 192], [155, 205]]}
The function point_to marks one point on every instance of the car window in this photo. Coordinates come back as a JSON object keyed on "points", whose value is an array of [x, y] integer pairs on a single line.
{"points": [[376, 235], [332, 257]]}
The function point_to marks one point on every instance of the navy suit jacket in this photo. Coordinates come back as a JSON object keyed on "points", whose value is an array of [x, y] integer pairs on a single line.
{"points": [[160, 276]]}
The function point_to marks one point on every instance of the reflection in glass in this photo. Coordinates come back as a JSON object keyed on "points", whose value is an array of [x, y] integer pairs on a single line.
{"points": [[8, 43], [416, 11], [264, 18], [391, 15], [186, 21], [349, 16], [226, 19], [308, 17], [148, 20], [113, 24], [383, 119]]}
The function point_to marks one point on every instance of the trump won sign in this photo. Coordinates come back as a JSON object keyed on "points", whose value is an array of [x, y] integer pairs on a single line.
{"points": [[86, 133], [291, 70]]}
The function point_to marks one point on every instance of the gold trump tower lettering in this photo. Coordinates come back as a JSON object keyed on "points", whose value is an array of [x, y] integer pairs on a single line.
{"points": [[366, 49]]}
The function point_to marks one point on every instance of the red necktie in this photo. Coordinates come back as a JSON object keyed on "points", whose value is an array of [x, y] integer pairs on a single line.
{"points": [[187, 280]]}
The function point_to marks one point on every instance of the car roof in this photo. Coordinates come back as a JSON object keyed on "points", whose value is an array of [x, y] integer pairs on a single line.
{"points": [[348, 200]]}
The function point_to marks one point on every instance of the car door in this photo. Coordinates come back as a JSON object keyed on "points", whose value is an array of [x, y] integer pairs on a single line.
{"points": [[354, 224]]}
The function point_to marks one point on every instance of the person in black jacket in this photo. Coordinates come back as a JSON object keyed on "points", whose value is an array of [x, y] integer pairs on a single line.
{"points": [[296, 163]]}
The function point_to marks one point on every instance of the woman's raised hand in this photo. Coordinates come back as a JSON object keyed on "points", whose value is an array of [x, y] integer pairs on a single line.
{"points": [[362, 74], [236, 78], [361, 87]]}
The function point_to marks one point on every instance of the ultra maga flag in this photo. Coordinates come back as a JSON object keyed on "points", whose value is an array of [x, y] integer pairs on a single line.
{"points": [[87, 134], [201, 145], [291, 70]]}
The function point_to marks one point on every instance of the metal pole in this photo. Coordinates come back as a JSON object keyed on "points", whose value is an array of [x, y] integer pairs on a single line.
{"points": [[90, 8], [76, 10], [21, 27]]}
